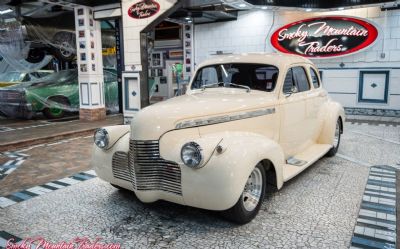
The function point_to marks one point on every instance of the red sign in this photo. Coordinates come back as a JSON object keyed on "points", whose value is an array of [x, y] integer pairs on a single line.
{"points": [[327, 36], [144, 9]]}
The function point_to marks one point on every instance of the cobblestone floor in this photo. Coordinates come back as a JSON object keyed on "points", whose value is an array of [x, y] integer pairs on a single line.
{"points": [[317, 209]]}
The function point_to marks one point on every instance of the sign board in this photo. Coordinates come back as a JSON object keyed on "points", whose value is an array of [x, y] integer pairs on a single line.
{"points": [[325, 36], [144, 9]]}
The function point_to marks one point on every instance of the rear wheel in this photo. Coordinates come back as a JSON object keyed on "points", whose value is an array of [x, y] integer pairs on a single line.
{"points": [[249, 203], [336, 139], [57, 107]]}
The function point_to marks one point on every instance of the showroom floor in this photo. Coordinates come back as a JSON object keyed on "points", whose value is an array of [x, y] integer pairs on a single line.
{"points": [[318, 209]]}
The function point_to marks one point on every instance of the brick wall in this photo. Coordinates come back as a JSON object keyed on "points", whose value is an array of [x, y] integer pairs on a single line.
{"points": [[92, 114]]}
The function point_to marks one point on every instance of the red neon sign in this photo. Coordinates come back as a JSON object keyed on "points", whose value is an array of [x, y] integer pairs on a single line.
{"points": [[144, 9], [327, 36]]}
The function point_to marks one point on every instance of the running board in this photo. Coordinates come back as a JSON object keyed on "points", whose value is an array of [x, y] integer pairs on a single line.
{"points": [[295, 162], [309, 156]]}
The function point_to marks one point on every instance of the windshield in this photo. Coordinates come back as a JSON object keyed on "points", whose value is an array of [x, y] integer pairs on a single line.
{"points": [[12, 77], [256, 76]]}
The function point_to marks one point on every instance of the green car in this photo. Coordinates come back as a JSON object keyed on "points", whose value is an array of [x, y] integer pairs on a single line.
{"points": [[54, 95]]}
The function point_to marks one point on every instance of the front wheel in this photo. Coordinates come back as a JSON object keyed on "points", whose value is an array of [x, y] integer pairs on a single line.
{"points": [[249, 203], [336, 139]]}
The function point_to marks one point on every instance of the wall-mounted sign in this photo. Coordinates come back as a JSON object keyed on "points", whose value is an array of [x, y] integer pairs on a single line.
{"points": [[144, 9], [327, 36]]}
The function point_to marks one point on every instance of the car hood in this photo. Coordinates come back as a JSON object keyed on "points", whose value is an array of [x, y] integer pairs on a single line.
{"points": [[153, 121]]}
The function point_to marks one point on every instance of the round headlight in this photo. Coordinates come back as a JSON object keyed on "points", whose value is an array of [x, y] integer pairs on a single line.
{"points": [[101, 138], [191, 155]]}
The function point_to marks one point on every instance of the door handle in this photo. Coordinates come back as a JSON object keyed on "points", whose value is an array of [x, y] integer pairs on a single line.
{"points": [[134, 93]]}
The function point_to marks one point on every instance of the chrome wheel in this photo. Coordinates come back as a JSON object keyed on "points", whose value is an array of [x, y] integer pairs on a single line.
{"points": [[66, 49], [252, 190], [337, 135]]}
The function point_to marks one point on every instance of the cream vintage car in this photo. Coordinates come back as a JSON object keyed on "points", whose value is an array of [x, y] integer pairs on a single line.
{"points": [[246, 123]]}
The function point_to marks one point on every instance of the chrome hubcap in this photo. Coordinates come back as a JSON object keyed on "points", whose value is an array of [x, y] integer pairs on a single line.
{"points": [[337, 135], [252, 190]]}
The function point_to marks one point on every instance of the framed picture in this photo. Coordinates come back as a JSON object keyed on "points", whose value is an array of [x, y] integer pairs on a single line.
{"points": [[156, 59], [81, 33], [81, 22], [160, 72], [175, 54], [92, 56], [93, 67], [83, 56], [187, 35], [91, 34], [91, 22], [373, 87], [92, 44], [80, 12], [187, 43], [82, 44], [153, 73], [83, 68]]}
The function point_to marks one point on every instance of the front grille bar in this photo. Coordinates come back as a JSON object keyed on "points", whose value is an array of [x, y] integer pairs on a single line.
{"points": [[149, 172]]}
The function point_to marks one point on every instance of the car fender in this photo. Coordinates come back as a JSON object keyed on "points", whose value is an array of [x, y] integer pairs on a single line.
{"points": [[115, 132], [218, 184], [330, 112], [101, 160]]}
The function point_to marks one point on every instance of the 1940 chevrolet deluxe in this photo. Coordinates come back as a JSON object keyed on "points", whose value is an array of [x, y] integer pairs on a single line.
{"points": [[247, 122]]}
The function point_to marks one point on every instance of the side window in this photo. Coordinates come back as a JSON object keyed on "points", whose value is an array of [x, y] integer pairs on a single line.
{"points": [[314, 78], [301, 79], [289, 82]]}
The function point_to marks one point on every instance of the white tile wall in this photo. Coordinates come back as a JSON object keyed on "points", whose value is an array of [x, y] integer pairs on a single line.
{"points": [[250, 33]]}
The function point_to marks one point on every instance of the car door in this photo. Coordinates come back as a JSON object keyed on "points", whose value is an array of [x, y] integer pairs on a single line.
{"points": [[316, 98], [294, 133]]}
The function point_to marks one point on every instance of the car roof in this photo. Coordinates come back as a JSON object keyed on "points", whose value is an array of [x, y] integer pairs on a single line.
{"points": [[275, 59]]}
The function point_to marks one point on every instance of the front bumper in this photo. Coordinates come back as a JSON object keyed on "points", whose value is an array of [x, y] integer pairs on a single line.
{"points": [[213, 187]]}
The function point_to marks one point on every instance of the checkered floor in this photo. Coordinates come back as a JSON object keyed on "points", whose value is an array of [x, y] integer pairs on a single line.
{"points": [[376, 223], [29, 193]]}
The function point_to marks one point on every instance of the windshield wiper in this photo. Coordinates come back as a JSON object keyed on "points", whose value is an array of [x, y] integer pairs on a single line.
{"points": [[223, 83]]}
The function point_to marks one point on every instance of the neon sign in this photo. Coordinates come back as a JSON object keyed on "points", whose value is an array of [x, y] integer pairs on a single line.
{"points": [[327, 36]]}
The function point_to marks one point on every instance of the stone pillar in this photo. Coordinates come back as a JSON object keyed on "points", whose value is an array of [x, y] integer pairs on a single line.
{"points": [[90, 65]]}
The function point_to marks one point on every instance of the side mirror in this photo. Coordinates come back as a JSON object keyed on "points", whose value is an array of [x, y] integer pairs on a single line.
{"points": [[292, 90]]}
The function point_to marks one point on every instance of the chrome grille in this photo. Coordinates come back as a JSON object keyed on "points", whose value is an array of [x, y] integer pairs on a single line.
{"points": [[149, 171], [120, 167]]}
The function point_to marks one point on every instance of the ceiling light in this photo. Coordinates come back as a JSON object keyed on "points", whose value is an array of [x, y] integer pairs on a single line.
{"points": [[2, 12], [308, 10], [264, 7], [341, 8], [187, 18], [242, 5]]}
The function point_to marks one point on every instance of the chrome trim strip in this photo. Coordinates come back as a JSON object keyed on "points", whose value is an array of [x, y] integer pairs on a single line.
{"points": [[224, 118]]}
